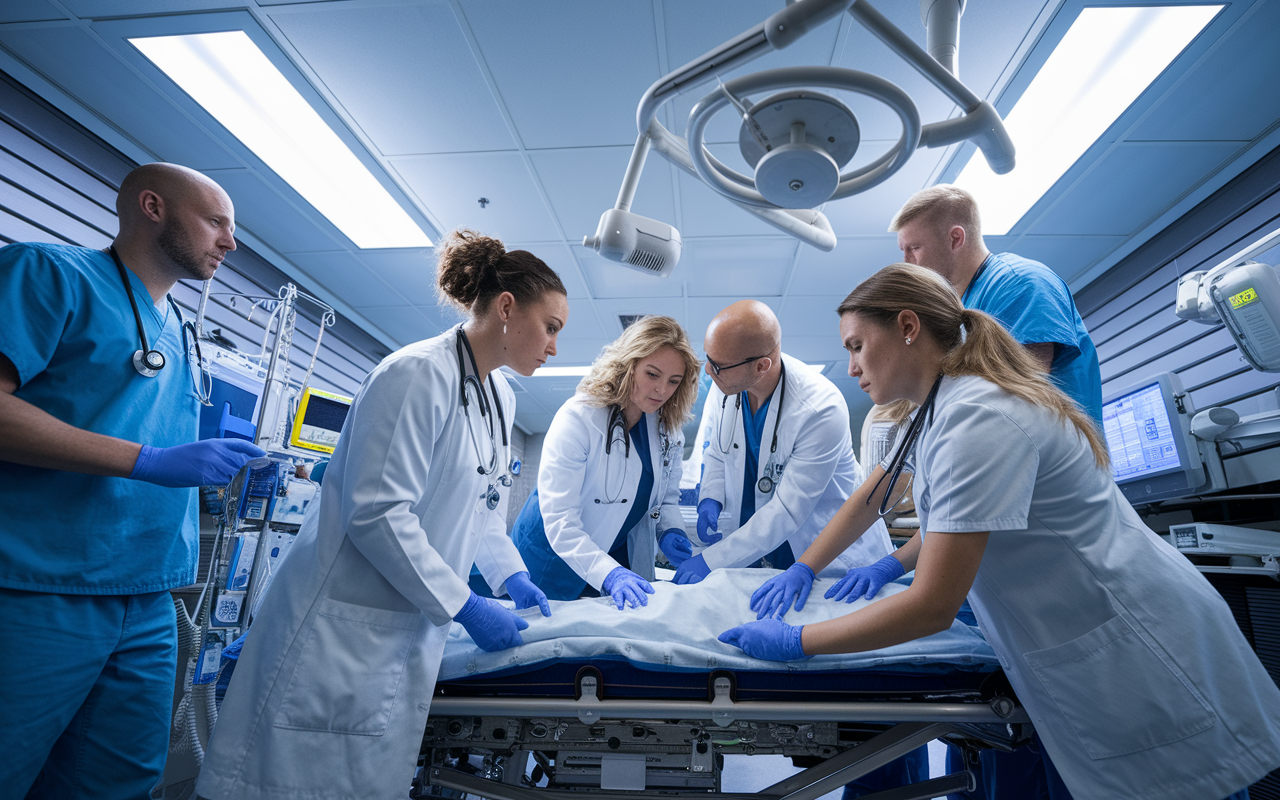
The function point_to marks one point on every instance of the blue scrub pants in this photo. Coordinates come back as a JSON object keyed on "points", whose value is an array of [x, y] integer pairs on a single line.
{"points": [[86, 694]]}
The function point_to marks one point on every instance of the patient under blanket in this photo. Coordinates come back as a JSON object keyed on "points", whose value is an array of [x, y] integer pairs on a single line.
{"points": [[678, 630]]}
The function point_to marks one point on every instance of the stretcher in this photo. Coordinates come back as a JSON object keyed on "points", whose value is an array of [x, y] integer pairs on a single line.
{"points": [[600, 704]]}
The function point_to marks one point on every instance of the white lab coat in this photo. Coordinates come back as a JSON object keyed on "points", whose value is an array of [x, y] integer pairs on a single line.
{"points": [[820, 472], [1129, 662], [331, 694], [577, 481]]}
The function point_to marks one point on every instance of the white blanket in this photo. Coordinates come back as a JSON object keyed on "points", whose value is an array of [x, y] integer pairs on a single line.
{"points": [[678, 631]]}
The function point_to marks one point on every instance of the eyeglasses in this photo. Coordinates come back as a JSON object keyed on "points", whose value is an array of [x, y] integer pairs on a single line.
{"points": [[717, 369]]}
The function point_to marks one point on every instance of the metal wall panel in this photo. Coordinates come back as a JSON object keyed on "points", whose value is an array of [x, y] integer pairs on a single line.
{"points": [[57, 188]]}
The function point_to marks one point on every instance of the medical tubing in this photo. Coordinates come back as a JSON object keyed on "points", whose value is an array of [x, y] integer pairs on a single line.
{"points": [[184, 734], [204, 301]]}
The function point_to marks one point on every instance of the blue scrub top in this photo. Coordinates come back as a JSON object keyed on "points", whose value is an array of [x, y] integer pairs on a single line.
{"points": [[547, 570], [1035, 305], [753, 428], [70, 332]]}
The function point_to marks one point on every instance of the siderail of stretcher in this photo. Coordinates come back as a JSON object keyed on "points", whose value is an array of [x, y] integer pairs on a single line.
{"points": [[546, 738]]}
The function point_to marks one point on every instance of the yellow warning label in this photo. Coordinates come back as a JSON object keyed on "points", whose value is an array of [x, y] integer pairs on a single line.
{"points": [[1243, 298]]}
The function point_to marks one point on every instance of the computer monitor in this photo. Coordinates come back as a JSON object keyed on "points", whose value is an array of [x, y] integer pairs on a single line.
{"points": [[1153, 454], [319, 420]]}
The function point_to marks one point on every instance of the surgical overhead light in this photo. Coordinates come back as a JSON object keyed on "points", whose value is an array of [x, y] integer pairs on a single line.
{"points": [[796, 139], [1245, 296]]}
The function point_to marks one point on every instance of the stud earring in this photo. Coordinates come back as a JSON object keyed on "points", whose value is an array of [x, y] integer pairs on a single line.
{"points": [[908, 340]]}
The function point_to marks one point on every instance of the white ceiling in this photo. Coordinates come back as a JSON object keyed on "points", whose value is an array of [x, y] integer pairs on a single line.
{"points": [[532, 105]]}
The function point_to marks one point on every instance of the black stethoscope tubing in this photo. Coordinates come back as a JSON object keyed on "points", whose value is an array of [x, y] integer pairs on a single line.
{"points": [[766, 483], [904, 449], [148, 362], [491, 494]]}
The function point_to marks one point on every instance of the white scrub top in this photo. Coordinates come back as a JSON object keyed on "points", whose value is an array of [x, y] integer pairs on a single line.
{"points": [[1129, 662], [331, 693], [819, 472]]}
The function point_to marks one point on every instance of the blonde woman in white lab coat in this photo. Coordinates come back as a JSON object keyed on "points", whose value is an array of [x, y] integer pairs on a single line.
{"points": [[609, 479], [332, 691], [1128, 661]]}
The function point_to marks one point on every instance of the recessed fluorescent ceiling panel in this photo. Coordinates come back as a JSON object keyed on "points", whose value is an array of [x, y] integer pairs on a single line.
{"points": [[1107, 58], [234, 81]]}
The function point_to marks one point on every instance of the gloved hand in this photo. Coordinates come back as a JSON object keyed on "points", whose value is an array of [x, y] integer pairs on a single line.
{"points": [[770, 639], [527, 594], [490, 625], [693, 570], [866, 581], [208, 462], [626, 587], [773, 599], [709, 521], [675, 546]]}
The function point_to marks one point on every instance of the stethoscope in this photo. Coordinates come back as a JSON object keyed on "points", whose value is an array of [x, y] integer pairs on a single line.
{"points": [[147, 361], [490, 495], [772, 469], [618, 423], [904, 450]]}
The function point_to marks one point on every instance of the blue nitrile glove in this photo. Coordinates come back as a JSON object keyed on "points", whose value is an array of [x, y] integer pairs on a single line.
{"points": [[693, 570], [773, 599], [709, 521], [490, 625], [675, 546], [626, 587], [866, 581], [527, 594], [208, 462], [770, 639]]}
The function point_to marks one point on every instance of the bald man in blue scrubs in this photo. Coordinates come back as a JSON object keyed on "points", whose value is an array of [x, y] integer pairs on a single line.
{"points": [[97, 520]]}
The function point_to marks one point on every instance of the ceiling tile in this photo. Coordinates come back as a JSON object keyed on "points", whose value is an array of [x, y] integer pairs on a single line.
{"points": [[451, 186], [348, 279], [704, 212], [577, 180], [558, 256], [98, 9], [610, 310], [410, 271], [835, 274], [405, 324], [868, 213], [1231, 93], [584, 323], [752, 267], [570, 72], [1066, 255], [610, 279], [28, 11], [819, 349], [354, 50], [74, 60], [810, 316], [270, 217], [703, 309], [1131, 185]]}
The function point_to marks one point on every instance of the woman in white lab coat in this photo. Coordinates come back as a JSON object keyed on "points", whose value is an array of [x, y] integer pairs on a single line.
{"points": [[331, 693], [609, 477], [1138, 681]]}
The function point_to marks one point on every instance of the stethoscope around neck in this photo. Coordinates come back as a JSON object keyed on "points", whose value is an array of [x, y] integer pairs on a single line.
{"points": [[904, 450], [149, 361], [772, 469], [618, 423], [487, 413]]}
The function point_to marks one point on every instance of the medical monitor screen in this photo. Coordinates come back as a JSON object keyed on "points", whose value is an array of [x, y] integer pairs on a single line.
{"points": [[321, 422], [1140, 434]]}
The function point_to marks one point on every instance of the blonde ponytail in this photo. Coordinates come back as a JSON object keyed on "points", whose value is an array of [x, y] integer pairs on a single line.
{"points": [[974, 342]]}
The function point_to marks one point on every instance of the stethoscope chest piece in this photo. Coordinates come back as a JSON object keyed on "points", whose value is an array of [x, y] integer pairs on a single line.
{"points": [[149, 363], [492, 497], [765, 484]]}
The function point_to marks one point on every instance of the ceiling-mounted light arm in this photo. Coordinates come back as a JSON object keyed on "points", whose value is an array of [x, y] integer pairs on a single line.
{"points": [[941, 20], [810, 227], [741, 188], [981, 123]]}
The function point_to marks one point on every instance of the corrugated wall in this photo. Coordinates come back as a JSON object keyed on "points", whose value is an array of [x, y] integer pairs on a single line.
{"points": [[1129, 312], [58, 184]]}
